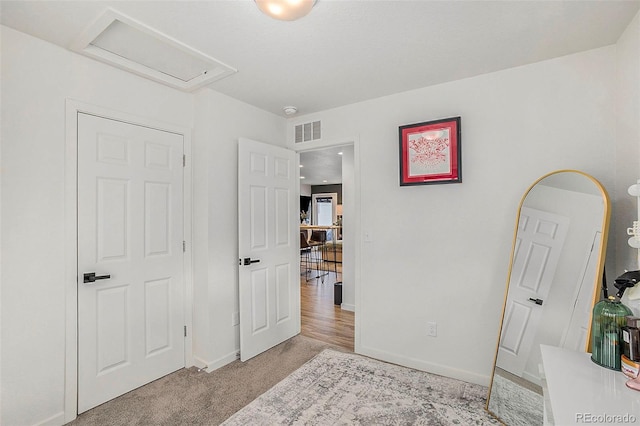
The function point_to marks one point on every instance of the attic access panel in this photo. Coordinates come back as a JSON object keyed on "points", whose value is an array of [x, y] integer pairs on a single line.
{"points": [[121, 41]]}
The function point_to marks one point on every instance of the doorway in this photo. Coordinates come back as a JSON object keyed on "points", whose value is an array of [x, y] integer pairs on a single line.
{"points": [[328, 201], [130, 257], [110, 150]]}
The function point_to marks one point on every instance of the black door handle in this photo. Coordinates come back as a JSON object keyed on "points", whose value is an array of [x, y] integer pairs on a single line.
{"points": [[90, 277], [248, 261], [536, 301]]}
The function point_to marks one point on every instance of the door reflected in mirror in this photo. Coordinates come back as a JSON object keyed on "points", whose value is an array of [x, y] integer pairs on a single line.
{"points": [[553, 281]]}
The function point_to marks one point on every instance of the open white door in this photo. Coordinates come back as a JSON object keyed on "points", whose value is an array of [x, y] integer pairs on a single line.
{"points": [[268, 246], [539, 244], [577, 332], [130, 257]]}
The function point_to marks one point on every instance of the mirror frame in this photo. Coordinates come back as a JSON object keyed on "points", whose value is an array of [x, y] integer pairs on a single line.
{"points": [[597, 281]]}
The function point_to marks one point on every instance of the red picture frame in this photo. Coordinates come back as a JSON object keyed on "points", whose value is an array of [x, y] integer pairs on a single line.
{"points": [[430, 152]]}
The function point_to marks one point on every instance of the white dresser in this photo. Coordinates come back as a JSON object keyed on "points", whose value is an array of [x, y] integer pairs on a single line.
{"points": [[578, 391]]}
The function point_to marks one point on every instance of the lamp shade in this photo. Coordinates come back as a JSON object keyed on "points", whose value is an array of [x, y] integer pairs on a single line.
{"points": [[285, 10]]}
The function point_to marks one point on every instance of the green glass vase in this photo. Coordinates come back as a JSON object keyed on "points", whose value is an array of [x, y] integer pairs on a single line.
{"points": [[606, 332]]}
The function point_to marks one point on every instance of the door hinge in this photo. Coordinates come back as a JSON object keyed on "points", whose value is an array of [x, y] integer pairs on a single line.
{"points": [[185, 331], [184, 160], [184, 246]]}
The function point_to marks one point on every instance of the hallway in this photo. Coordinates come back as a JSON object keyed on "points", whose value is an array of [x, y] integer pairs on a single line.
{"points": [[320, 318]]}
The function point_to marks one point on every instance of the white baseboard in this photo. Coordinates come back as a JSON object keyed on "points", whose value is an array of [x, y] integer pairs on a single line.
{"points": [[454, 373], [199, 362], [348, 307], [55, 420], [531, 378], [217, 363]]}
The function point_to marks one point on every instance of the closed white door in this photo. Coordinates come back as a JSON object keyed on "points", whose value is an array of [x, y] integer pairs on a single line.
{"points": [[538, 247], [268, 232], [130, 237]]}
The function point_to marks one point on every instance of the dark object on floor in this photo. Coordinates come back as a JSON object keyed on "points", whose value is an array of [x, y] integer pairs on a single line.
{"points": [[337, 293]]}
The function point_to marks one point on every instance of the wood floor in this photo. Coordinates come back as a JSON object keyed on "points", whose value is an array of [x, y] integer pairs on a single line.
{"points": [[320, 318]]}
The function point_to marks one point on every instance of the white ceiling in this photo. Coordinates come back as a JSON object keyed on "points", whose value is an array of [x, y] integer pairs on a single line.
{"points": [[321, 167], [347, 51]]}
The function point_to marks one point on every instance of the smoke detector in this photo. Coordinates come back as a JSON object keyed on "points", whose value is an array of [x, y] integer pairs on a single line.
{"points": [[290, 110]]}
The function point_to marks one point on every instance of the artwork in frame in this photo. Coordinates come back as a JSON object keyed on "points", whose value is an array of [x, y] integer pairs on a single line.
{"points": [[430, 152]]}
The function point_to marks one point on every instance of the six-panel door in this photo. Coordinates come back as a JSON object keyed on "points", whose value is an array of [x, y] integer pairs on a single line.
{"points": [[130, 234]]}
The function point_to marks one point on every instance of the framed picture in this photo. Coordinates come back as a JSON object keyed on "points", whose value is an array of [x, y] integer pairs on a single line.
{"points": [[430, 152]]}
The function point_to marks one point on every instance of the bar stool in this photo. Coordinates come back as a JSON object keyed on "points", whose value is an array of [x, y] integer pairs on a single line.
{"points": [[318, 241], [306, 255]]}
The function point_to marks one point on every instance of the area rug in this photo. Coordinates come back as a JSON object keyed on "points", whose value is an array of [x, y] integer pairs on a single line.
{"points": [[336, 388], [515, 404]]}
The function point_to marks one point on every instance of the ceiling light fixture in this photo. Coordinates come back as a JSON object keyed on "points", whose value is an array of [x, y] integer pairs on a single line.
{"points": [[286, 10], [290, 110]]}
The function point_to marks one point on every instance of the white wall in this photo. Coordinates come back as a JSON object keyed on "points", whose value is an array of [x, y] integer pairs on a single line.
{"points": [[349, 237], [37, 78], [33, 164], [220, 121], [305, 189], [627, 167], [440, 252]]}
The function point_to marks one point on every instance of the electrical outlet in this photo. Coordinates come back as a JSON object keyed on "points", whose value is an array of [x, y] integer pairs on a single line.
{"points": [[432, 329], [235, 318]]}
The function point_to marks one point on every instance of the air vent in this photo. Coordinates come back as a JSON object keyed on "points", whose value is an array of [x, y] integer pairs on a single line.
{"points": [[307, 132], [130, 45]]}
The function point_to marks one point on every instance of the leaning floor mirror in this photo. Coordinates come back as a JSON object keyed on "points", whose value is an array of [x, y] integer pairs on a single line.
{"points": [[553, 282]]}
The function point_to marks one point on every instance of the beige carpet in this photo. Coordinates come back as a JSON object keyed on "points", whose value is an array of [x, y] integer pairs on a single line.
{"points": [[190, 397]]}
